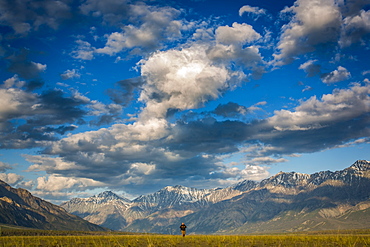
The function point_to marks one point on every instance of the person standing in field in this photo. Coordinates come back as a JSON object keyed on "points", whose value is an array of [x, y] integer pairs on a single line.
{"points": [[183, 229]]}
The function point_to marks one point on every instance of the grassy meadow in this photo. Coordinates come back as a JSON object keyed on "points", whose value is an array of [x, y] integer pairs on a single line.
{"points": [[29, 238]]}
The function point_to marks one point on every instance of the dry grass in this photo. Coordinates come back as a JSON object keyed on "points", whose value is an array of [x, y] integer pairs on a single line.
{"points": [[190, 241]]}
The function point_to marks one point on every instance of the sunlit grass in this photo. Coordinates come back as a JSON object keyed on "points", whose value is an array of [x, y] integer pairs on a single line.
{"points": [[188, 241]]}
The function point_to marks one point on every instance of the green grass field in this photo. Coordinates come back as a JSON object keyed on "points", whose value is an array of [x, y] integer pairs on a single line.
{"points": [[29, 238]]}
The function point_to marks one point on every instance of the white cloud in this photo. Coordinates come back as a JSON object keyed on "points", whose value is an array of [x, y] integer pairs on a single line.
{"points": [[122, 155], [84, 51], [182, 79], [112, 11], [11, 178], [45, 163], [314, 23], [4, 166], [96, 148], [99, 108], [26, 184], [70, 74], [40, 67], [267, 160], [13, 81], [230, 47], [15, 102], [311, 68], [141, 169], [24, 15], [235, 174], [156, 150], [340, 74], [355, 27], [248, 58], [341, 105], [250, 9], [238, 33], [24, 68], [156, 25], [255, 172], [115, 43], [366, 72], [204, 34], [58, 183], [307, 88]]}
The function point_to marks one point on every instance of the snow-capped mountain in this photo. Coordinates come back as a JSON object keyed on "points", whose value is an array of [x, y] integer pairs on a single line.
{"points": [[172, 196], [348, 176], [180, 196], [244, 207], [109, 210], [105, 209], [93, 203]]}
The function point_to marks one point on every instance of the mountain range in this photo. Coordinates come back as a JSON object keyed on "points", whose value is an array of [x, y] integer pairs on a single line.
{"points": [[19, 207], [285, 202]]}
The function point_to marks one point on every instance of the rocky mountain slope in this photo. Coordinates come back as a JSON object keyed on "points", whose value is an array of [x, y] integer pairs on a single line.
{"points": [[106, 209], [284, 202], [18, 207], [166, 205]]}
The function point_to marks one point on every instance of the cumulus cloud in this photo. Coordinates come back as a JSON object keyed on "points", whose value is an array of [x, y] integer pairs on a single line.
{"points": [[27, 15], [314, 23], [70, 74], [58, 183], [106, 113], [255, 172], [355, 28], [125, 94], [111, 11], [340, 74], [21, 65], [4, 166], [83, 51], [231, 47], [341, 105], [253, 10], [322, 22], [47, 115], [14, 102], [318, 124], [141, 153], [142, 28], [156, 150], [233, 174], [230, 109], [11, 178], [14, 82], [150, 26], [238, 33], [311, 68], [267, 160], [183, 79]]}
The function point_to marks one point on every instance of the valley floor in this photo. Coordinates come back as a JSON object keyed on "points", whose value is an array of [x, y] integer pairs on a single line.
{"points": [[360, 238]]}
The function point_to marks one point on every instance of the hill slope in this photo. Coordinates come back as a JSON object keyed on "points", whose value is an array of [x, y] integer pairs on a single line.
{"points": [[18, 207]]}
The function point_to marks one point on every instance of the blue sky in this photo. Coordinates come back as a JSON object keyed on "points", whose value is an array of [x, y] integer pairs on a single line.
{"points": [[132, 96]]}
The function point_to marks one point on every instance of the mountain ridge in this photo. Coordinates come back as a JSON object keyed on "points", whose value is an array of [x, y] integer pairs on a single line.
{"points": [[248, 202]]}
